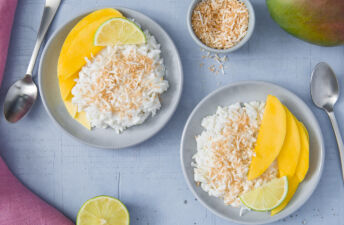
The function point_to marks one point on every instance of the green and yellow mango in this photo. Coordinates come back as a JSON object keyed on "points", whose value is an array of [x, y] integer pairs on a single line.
{"points": [[319, 22]]}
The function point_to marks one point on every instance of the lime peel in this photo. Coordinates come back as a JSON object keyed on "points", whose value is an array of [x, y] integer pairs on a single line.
{"points": [[103, 210], [119, 31], [268, 196]]}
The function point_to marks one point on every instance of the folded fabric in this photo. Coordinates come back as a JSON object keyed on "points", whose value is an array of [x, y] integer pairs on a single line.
{"points": [[7, 10], [18, 205]]}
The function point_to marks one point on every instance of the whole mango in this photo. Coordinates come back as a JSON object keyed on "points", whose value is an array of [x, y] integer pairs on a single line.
{"points": [[319, 22]]}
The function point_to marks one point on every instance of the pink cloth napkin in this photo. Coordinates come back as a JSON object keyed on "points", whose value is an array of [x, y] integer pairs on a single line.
{"points": [[18, 205], [7, 10]]}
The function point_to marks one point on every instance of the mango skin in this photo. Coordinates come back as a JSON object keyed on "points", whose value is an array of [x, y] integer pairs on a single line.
{"points": [[319, 22]]}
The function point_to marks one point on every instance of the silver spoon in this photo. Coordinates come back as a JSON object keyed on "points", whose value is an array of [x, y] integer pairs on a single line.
{"points": [[325, 93], [23, 93]]}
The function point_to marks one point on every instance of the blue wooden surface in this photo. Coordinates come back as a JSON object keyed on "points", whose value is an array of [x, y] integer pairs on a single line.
{"points": [[148, 178]]}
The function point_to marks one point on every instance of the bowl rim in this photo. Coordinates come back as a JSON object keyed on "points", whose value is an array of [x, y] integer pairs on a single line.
{"points": [[241, 43], [189, 183], [84, 13]]}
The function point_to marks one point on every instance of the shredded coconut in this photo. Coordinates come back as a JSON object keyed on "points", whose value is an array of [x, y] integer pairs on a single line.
{"points": [[220, 62], [120, 87], [220, 24], [225, 149]]}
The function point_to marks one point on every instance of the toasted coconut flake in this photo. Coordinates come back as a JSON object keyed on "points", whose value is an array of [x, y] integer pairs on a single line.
{"points": [[220, 24], [220, 61], [225, 149], [121, 86]]}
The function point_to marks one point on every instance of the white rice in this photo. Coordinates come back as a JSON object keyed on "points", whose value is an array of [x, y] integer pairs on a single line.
{"points": [[120, 87], [225, 149]]}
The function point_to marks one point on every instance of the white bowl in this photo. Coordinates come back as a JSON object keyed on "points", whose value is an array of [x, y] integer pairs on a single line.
{"points": [[251, 25], [108, 138], [244, 92]]}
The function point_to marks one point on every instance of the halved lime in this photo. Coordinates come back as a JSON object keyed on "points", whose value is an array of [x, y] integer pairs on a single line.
{"points": [[103, 210], [268, 196], [119, 31]]}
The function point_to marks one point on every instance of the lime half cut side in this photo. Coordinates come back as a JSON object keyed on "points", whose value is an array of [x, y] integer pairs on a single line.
{"points": [[103, 210], [119, 31], [268, 196]]}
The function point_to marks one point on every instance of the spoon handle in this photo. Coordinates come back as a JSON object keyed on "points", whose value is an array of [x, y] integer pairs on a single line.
{"points": [[49, 11], [338, 137]]}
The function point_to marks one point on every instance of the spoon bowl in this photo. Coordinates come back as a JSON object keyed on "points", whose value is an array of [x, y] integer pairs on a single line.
{"points": [[23, 93], [324, 87], [19, 99]]}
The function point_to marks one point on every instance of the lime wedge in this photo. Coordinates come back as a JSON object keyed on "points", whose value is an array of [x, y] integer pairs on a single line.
{"points": [[103, 210], [119, 31], [268, 196]]}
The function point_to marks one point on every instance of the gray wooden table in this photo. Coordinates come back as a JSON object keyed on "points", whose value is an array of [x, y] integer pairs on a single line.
{"points": [[148, 178]]}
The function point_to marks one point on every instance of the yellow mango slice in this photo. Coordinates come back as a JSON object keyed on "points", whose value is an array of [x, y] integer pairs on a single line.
{"points": [[83, 120], [303, 164], [288, 157], [66, 85], [78, 116], [270, 138], [293, 183], [77, 46], [301, 169], [79, 42], [71, 108]]}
